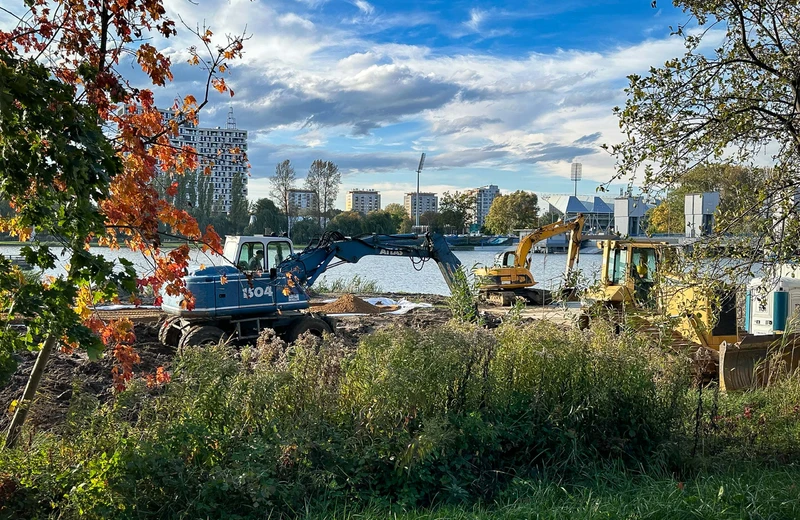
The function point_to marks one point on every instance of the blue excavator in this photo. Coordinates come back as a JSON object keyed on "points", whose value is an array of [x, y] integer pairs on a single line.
{"points": [[265, 285]]}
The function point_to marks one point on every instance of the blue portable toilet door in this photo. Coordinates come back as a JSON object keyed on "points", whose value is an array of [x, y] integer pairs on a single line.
{"points": [[255, 289]]}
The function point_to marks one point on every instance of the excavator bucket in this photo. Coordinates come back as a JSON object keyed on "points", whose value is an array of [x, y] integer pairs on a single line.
{"points": [[756, 361]]}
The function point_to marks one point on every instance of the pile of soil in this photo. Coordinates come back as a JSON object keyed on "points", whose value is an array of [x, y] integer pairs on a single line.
{"points": [[349, 304]]}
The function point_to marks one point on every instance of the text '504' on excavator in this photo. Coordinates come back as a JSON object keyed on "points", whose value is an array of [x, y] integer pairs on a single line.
{"points": [[264, 286], [641, 281], [511, 277]]}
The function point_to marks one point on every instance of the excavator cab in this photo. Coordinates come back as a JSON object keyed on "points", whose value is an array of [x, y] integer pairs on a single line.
{"points": [[629, 273], [506, 259]]}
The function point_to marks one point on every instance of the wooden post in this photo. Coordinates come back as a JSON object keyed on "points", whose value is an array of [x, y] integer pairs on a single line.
{"points": [[30, 392]]}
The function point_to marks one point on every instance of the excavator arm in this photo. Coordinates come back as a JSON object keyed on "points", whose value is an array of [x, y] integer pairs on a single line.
{"points": [[333, 249], [574, 247], [573, 226]]}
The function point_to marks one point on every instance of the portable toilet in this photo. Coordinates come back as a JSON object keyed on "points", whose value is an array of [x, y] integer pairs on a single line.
{"points": [[771, 303]]}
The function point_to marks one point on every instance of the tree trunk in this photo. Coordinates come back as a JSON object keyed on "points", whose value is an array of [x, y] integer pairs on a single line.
{"points": [[30, 392]]}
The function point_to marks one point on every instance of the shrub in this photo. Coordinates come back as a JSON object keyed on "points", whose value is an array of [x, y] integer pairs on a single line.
{"points": [[411, 417], [355, 285]]}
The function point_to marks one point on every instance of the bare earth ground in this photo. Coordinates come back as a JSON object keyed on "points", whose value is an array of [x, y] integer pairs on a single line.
{"points": [[70, 373]]}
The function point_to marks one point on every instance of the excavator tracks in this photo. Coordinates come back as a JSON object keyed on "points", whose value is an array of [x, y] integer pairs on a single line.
{"points": [[136, 315]]}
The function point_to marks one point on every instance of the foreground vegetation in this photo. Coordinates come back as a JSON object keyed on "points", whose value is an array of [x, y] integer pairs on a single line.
{"points": [[522, 420], [617, 493]]}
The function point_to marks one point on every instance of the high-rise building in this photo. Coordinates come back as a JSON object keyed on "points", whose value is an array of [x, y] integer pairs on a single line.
{"points": [[427, 202], [363, 201], [484, 196], [302, 199], [215, 148]]}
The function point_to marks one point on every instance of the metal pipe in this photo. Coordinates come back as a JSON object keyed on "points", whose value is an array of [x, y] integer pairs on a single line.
{"points": [[416, 210]]}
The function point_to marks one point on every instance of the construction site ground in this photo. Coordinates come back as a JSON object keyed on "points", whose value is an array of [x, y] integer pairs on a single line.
{"points": [[68, 374]]}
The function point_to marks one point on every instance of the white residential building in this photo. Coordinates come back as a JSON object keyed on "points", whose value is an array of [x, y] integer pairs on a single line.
{"points": [[215, 147], [302, 199], [484, 196], [363, 201], [427, 202]]}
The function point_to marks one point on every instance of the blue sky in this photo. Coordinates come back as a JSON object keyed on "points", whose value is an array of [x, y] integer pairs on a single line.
{"points": [[503, 92]]}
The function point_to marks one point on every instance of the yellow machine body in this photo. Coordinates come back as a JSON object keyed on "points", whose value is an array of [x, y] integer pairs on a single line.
{"points": [[704, 317], [512, 272]]}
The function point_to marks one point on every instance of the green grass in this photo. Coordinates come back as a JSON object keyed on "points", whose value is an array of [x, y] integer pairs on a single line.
{"points": [[615, 494], [355, 285]]}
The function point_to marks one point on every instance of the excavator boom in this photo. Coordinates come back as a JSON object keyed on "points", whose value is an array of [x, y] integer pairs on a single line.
{"points": [[319, 256], [573, 226], [264, 285]]}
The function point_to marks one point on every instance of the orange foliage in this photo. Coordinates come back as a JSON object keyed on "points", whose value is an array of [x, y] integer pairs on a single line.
{"points": [[83, 41]]}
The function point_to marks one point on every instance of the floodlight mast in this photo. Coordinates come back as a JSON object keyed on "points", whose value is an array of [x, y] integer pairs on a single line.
{"points": [[575, 175], [416, 205]]}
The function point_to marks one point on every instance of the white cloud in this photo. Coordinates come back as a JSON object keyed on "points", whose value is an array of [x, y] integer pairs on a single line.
{"points": [[364, 6], [293, 20], [324, 90], [476, 16]]}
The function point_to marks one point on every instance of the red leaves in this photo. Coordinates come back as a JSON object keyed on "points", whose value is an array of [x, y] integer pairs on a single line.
{"points": [[82, 43], [160, 378], [154, 64], [172, 189], [219, 84], [117, 335]]}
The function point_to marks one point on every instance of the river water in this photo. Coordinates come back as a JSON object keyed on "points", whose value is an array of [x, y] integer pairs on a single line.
{"points": [[392, 274]]}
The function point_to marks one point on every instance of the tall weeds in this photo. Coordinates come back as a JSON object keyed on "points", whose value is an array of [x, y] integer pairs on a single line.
{"points": [[355, 285], [410, 417]]}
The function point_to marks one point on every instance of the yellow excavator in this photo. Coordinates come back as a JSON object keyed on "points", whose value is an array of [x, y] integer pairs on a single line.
{"points": [[640, 277], [511, 277]]}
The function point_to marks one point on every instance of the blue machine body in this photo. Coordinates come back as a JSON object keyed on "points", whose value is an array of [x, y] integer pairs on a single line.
{"points": [[748, 313], [231, 292], [773, 304], [780, 310]]}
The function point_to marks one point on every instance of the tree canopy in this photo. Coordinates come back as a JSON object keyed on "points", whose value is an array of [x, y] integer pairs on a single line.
{"points": [[737, 102], [323, 179], [281, 184], [735, 185], [348, 223], [516, 210], [455, 210], [402, 222], [61, 90]]}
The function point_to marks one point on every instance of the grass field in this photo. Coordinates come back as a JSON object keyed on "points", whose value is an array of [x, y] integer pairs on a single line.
{"points": [[617, 494]]}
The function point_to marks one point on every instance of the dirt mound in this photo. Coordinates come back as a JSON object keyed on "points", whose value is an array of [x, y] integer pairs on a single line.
{"points": [[349, 304]]}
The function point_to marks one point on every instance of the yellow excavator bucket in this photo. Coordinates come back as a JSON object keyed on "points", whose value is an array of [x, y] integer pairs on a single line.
{"points": [[755, 361]]}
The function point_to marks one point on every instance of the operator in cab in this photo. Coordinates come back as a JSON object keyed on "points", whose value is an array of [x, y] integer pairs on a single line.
{"points": [[257, 262], [642, 283]]}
